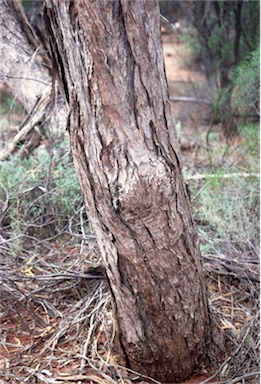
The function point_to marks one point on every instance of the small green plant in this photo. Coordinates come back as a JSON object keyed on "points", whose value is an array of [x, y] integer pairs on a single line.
{"points": [[220, 105], [41, 195], [192, 43], [251, 138], [9, 104], [246, 81], [228, 210]]}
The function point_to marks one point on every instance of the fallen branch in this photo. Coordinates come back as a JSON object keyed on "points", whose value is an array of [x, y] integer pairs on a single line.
{"points": [[189, 99], [37, 116], [225, 266], [224, 176]]}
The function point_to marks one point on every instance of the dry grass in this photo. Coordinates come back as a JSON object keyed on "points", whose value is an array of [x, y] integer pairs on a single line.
{"points": [[56, 320], [58, 326], [234, 297]]}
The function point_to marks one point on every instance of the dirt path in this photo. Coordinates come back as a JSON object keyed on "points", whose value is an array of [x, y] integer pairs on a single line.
{"points": [[187, 79]]}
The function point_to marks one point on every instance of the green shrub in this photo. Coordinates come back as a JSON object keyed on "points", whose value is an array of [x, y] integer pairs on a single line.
{"points": [[41, 195], [227, 211], [9, 104], [247, 83], [251, 138]]}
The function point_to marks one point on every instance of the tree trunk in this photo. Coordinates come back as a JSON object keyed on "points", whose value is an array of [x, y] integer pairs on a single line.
{"points": [[23, 70], [21, 64], [110, 61]]}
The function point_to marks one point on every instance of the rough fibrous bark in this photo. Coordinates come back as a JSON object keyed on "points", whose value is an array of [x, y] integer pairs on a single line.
{"points": [[109, 59]]}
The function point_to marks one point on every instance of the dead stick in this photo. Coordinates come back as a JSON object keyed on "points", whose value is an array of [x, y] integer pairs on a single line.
{"points": [[189, 99], [224, 176], [37, 116]]}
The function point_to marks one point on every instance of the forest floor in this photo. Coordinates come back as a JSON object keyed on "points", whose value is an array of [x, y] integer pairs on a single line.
{"points": [[57, 324]]}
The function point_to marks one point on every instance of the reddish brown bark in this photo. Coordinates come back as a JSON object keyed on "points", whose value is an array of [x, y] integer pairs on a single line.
{"points": [[110, 61]]}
